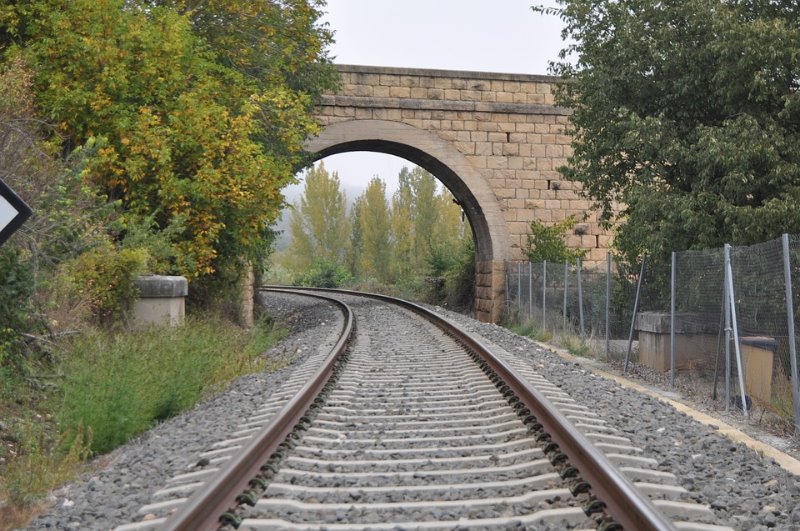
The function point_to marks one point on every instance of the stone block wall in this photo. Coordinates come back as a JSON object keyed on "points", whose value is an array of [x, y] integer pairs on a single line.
{"points": [[506, 125]]}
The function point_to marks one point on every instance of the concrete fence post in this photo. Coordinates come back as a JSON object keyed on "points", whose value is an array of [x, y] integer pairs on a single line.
{"points": [[735, 328], [579, 265], [530, 290], [633, 314], [566, 288]]}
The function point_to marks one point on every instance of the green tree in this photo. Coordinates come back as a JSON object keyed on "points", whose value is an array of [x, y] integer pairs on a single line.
{"points": [[426, 215], [280, 46], [187, 137], [402, 224], [356, 238], [374, 228], [685, 118], [451, 229], [427, 227], [319, 224], [278, 43], [547, 243]]}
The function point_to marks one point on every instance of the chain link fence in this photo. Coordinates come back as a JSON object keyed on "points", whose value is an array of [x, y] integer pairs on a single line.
{"points": [[719, 324], [563, 299]]}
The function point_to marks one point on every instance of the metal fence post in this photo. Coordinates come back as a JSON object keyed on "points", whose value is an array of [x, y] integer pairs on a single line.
{"points": [[507, 294], [672, 324], [544, 296], [608, 299], [579, 264], [633, 316], [726, 301], [566, 288], [787, 275], [737, 348], [519, 287], [530, 290]]}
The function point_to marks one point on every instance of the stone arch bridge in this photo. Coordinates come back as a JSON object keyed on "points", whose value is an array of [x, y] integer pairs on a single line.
{"points": [[495, 140]]}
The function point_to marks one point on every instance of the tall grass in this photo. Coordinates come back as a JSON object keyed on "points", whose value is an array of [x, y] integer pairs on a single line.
{"points": [[41, 465], [527, 328], [119, 385], [572, 342], [105, 387]]}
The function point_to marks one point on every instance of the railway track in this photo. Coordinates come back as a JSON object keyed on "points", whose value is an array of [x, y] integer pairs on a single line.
{"points": [[418, 426]]}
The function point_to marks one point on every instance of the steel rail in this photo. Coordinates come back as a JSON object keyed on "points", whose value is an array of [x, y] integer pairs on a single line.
{"points": [[203, 509], [626, 504]]}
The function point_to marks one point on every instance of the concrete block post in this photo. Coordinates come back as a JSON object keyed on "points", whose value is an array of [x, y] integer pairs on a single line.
{"points": [[161, 300]]}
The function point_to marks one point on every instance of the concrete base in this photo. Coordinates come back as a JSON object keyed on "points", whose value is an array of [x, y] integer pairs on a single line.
{"points": [[161, 301], [695, 341], [692, 351]]}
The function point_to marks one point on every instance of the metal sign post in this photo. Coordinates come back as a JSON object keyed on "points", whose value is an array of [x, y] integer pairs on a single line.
{"points": [[13, 212]]}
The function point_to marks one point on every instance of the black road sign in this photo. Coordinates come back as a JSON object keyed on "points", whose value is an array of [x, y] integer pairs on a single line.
{"points": [[13, 212]]}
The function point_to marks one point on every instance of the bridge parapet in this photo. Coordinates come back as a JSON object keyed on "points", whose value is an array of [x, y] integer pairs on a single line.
{"points": [[447, 85]]}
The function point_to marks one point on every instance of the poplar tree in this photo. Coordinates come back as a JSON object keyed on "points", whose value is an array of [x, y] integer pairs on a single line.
{"points": [[426, 215], [374, 226], [319, 224], [356, 239], [402, 220]]}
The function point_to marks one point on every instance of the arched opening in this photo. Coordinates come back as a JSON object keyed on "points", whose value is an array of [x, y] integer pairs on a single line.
{"points": [[443, 160], [439, 158]]}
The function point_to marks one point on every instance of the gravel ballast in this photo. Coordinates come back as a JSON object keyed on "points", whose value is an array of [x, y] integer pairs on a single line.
{"points": [[745, 489]]}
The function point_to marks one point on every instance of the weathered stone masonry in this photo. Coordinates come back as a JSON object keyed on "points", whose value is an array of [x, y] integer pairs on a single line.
{"points": [[494, 139]]}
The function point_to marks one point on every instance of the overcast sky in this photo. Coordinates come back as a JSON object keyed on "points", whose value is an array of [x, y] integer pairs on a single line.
{"points": [[477, 35]]}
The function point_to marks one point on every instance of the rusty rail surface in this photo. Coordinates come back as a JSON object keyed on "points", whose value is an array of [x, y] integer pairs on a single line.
{"points": [[203, 509]]}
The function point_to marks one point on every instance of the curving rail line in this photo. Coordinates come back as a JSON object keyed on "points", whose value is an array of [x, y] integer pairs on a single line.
{"points": [[623, 504], [204, 507], [626, 504]]}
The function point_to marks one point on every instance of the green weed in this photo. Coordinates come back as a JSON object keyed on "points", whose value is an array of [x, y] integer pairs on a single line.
{"points": [[39, 464], [575, 345], [529, 329], [120, 384]]}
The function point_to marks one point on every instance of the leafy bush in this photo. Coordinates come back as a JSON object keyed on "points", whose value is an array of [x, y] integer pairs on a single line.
{"points": [[460, 279], [105, 277], [323, 274], [452, 280], [546, 243], [16, 286], [144, 234]]}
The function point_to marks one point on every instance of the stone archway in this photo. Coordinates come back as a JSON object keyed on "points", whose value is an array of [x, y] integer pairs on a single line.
{"points": [[449, 165]]}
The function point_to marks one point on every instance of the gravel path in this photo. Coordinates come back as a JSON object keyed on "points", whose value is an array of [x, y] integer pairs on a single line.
{"points": [[124, 480], [745, 489]]}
